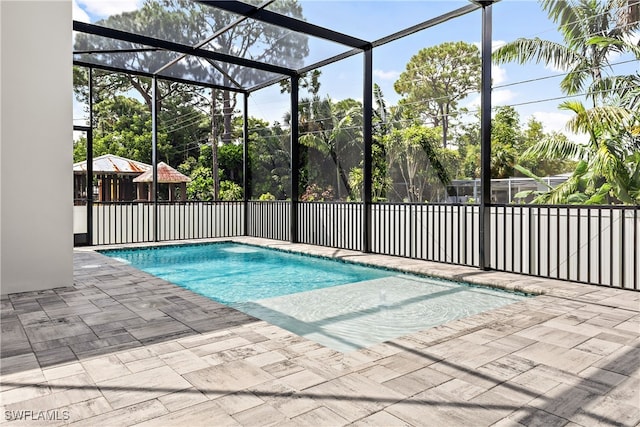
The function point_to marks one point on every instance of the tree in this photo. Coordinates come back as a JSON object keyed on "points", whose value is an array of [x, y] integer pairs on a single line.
{"points": [[436, 79], [328, 130], [583, 24], [508, 141], [532, 135], [606, 172], [608, 164], [270, 158], [193, 24], [414, 156], [123, 128]]}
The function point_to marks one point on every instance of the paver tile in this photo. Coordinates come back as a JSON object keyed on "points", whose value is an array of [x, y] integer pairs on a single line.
{"points": [[302, 380], [126, 390], [608, 411], [319, 417], [63, 371], [238, 402], [533, 417], [563, 400], [466, 353], [266, 358], [382, 418], [129, 415], [416, 381], [182, 399], [105, 368], [553, 336], [121, 347], [571, 360], [228, 378], [263, 415], [183, 361], [86, 409], [354, 396], [623, 361], [54, 400]]}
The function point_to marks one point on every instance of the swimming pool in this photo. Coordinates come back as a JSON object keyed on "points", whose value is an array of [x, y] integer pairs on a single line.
{"points": [[341, 305]]}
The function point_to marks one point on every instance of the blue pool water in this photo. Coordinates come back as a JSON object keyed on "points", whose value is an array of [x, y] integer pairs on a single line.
{"points": [[340, 305], [231, 273]]}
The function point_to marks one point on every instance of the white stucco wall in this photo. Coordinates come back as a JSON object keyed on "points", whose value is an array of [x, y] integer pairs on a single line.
{"points": [[36, 250]]}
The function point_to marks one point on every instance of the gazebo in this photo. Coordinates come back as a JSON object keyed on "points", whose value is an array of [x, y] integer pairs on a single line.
{"points": [[114, 174], [166, 175]]}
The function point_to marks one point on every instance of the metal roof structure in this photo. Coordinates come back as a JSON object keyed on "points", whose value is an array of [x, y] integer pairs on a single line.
{"points": [[112, 164], [205, 42], [244, 46]]}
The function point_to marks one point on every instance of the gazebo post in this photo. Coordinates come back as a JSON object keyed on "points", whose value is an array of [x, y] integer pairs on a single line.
{"points": [[183, 191]]}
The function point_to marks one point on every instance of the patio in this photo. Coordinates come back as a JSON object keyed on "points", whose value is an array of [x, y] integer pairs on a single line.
{"points": [[121, 347]]}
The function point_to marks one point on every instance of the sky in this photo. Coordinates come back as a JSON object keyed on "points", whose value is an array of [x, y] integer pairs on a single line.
{"points": [[373, 19]]}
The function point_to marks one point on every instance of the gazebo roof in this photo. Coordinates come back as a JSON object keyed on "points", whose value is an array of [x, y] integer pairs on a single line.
{"points": [[166, 175], [112, 164]]}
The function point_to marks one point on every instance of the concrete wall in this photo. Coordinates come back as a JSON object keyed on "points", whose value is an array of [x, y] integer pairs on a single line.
{"points": [[36, 184]]}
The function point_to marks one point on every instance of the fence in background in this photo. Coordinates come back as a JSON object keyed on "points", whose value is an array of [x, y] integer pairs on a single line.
{"points": [[133, 222], [589, 244]]}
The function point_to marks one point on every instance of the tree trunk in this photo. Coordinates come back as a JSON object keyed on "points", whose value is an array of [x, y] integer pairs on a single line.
{"points": [[341, 174], [445, 125], [227, 112]]}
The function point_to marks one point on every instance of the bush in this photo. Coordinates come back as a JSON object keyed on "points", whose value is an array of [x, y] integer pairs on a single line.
{"points": [[230, 191], [266, 196]]}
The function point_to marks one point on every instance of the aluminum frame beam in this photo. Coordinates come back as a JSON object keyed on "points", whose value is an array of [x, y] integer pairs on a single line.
{"points": [[284, 21], [111, 33]]}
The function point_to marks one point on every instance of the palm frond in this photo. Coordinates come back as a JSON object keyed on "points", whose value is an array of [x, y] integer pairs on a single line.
{"points": [[625, 88], [595, 120], [537, 50], [575, 80], [563, 13], [551, 148], [528, 173]]}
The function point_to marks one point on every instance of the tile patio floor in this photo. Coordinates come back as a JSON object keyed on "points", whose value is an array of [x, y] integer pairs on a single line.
{"points": [[120, 347]]}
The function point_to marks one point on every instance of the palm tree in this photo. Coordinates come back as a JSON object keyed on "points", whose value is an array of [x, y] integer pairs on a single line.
{"points": [[608, 165], [607, 170], [584, 25], [329, 128]]}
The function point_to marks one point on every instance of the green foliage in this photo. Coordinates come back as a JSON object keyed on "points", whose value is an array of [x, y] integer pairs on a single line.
{"points": [[123, 128], [266, 196], [269, 157], [509, 140], [436, 79], [606, 171], [230, 161], [331, 139], [585, 26], [201, 185], [230, 191], [416, 161], [592, 32]]}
